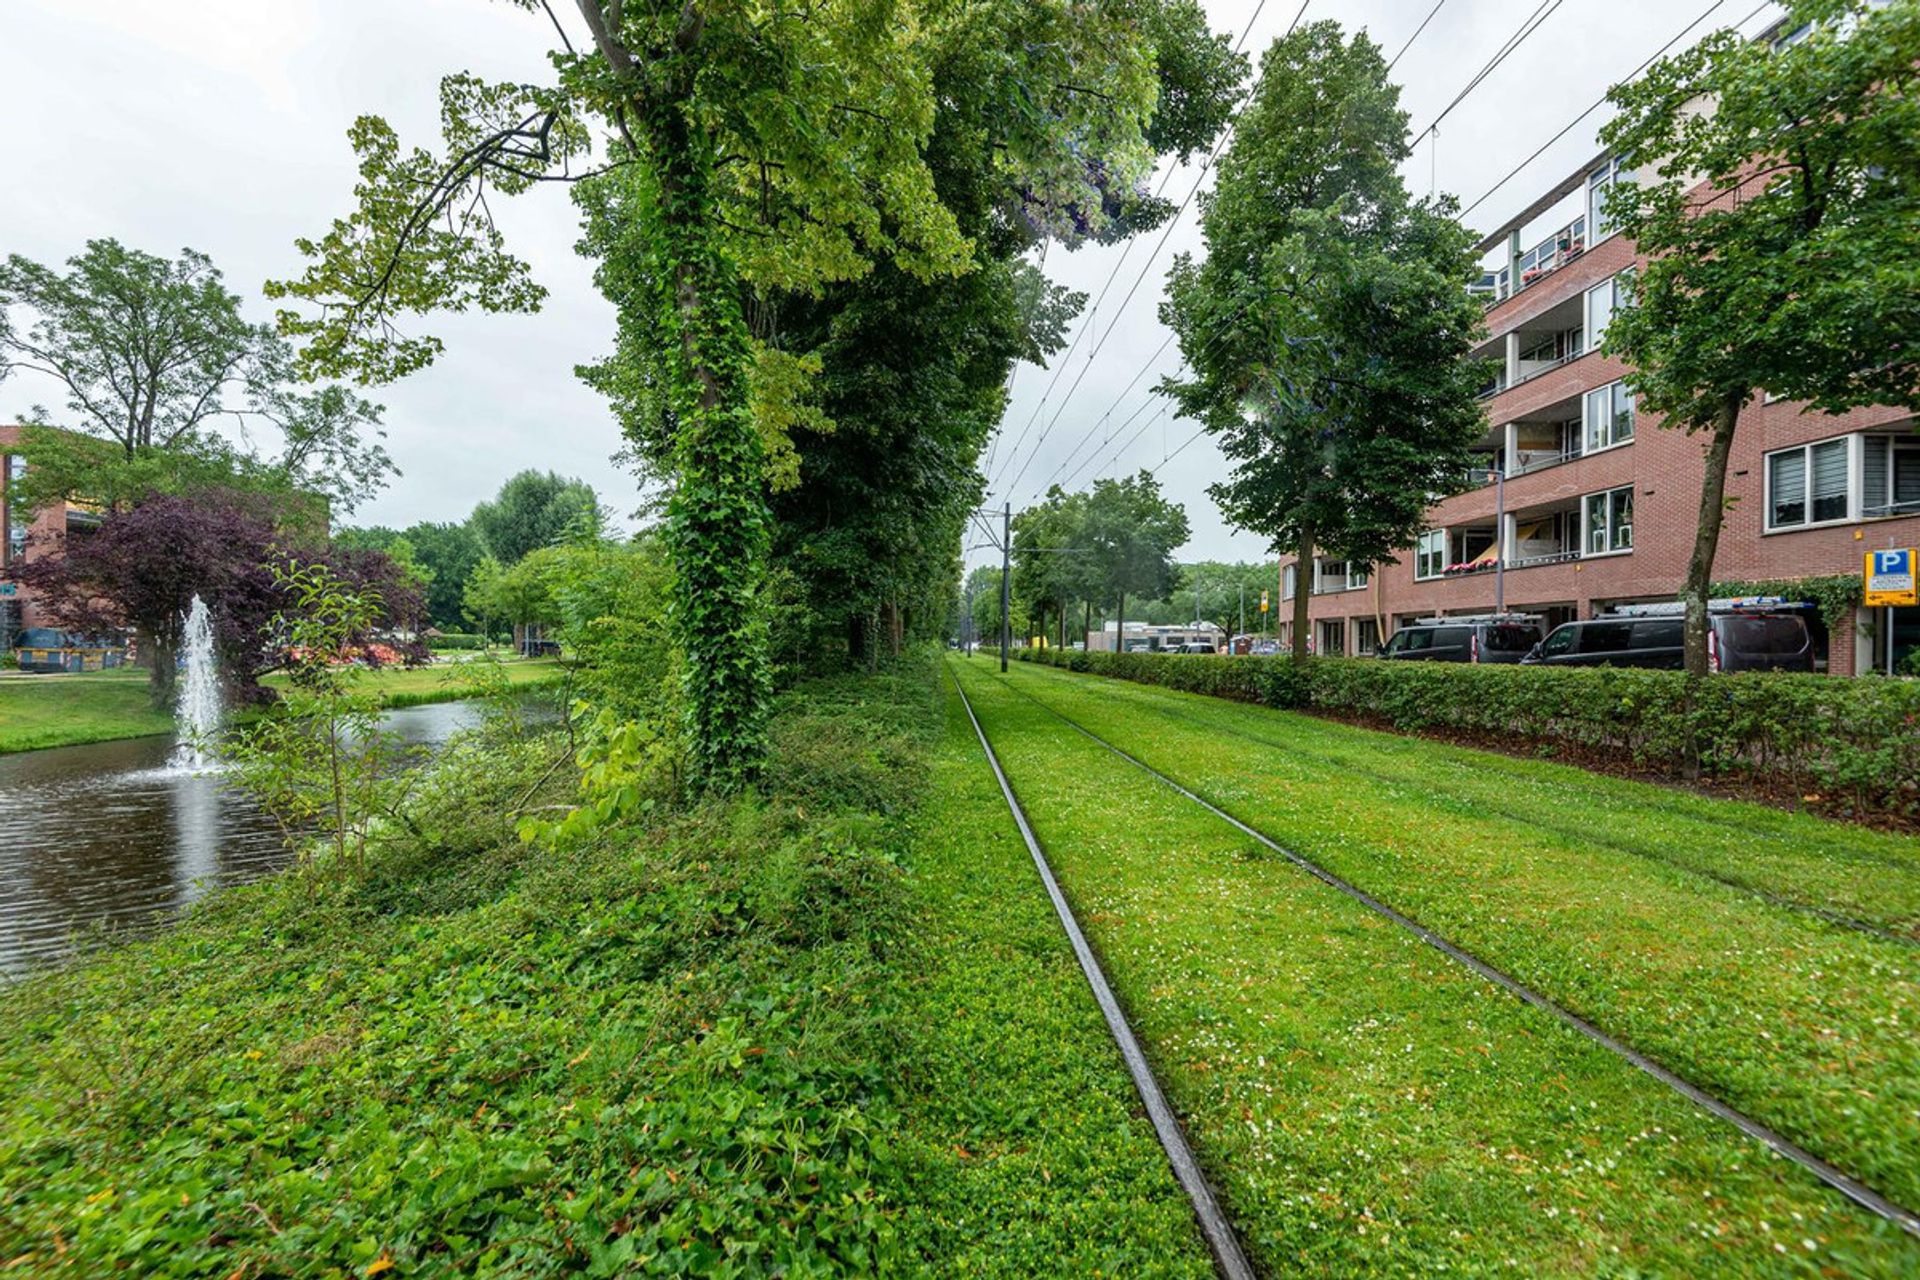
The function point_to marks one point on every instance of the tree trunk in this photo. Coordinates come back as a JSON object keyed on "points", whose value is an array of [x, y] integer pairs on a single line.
{"points": [[1706, 538], [162, 671], [1302, 589], [1063, 622], [1086, 629], [717, 522]]}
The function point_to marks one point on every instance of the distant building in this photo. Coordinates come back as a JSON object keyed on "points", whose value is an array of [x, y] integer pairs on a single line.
{"points": [[1155, 637], [29, 536]]}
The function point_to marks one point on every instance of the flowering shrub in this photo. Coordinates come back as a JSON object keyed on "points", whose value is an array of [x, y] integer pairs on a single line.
{"points": [[1853, 741]]}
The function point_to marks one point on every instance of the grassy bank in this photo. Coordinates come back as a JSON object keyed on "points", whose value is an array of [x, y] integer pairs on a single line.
{"points": [[1366, 1105], [101, 706], [826, 1031]]}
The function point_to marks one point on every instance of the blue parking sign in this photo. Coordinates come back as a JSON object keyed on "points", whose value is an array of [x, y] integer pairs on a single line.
{"points": [[1890, 578]]}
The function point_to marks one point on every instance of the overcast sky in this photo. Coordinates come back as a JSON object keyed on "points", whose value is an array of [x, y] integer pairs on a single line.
{"points": [[220, 125]]}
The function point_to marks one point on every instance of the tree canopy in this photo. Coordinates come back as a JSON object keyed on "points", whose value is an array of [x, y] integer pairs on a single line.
{"points": [[154, 355], [1778, 230], [1328, 329], [533, 509]]}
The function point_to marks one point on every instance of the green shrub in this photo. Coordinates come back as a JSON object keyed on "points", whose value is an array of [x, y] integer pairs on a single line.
{"points": [[456, 640], [1855, 741]]}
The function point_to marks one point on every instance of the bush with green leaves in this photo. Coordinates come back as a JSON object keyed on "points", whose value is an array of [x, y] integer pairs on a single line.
{"points": [[1853, 743]]}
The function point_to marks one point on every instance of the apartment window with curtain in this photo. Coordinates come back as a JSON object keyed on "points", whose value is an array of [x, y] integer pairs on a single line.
{"points": [[1607, 414], [1366, 637], [1430, 554], [1609, 521], [1288, 577], [1333, 637], [1808, 484]]}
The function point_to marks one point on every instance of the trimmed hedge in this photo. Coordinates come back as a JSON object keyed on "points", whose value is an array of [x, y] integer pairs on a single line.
{"points": [[1853, 742], [456, 640]]}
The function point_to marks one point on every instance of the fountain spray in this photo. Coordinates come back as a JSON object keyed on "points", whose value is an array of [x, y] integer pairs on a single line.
{"points": [[198, 712]]}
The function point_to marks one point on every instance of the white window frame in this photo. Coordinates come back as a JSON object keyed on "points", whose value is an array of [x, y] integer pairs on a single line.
{"points": [[1289, 581], [1431, 543], [1599, 181], [1588, 444], [1855, 470], [1611, 531], [1595, 332]]}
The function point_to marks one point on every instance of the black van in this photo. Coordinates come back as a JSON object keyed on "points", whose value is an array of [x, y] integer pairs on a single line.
{"points": [[1742, 635], [1493, 637]]}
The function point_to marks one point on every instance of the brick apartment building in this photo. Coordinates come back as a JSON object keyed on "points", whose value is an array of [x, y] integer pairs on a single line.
{"points": [[1590, 503], [29, 535]]}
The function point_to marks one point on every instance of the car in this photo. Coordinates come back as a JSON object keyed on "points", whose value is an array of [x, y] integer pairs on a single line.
{"points": [[1196, 646], [1491, 637], [1744, 634]]}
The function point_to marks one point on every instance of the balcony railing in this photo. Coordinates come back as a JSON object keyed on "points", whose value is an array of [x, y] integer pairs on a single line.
{"points": [[1536, 264], [1472, 568], [1526, 460], [1910, 508]]}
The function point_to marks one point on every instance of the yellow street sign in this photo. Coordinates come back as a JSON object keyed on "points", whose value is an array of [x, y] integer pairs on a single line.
{"points": [[1889, 578]]}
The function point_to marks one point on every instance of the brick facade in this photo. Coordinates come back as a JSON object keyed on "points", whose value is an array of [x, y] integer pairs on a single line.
{"points": [[43, 531], [1665, 469]]}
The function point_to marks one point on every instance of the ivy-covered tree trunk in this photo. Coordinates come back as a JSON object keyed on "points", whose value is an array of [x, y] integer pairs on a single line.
{"points": [[717, 525], [1706, 540]]}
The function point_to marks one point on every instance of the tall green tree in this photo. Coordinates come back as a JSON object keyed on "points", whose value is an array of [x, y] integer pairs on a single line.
{"points": [[1131, 532], [533, 509], [1051, 563], [1328, 329], [152, 353], [1782, 232], [747, 151]]}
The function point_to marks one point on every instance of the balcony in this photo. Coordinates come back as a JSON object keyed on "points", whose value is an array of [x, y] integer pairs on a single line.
{"points": [[1536, 264]]}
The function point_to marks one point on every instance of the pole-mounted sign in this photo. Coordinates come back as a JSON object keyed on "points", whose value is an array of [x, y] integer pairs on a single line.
{"points": [[1890, 578], [1263, 601]]}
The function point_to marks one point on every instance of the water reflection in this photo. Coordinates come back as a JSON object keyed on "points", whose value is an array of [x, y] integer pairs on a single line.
{"points": [[98, 839]]}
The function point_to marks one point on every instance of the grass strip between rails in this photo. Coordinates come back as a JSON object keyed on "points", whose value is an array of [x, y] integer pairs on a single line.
{"points": [[1807, 1026], [1366, 1105], [105, 706]]}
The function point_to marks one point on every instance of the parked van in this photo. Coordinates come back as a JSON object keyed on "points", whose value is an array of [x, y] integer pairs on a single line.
{"points": [[1751, 633], [1488, 637]]}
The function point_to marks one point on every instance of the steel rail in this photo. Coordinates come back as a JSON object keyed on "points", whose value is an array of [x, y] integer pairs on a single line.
{"points": [[1228, 1257], [1845, 1183]]}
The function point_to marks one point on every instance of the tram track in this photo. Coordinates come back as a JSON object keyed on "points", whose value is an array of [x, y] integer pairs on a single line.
{"points": [[1826, 915], [1229, 1258], [1831, 1175]]}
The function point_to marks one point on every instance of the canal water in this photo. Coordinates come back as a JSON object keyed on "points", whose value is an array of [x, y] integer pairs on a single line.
{"points": [[107, 839]]}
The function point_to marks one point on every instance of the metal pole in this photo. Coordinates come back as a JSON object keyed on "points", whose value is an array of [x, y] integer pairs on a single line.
{"points": [[1006, 583], [1243, 606], [1500, 537]]}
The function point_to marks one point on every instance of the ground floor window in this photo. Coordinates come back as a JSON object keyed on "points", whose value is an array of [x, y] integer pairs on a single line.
{"points": [[1366, 637], [1333, 637], [1896, 639]]}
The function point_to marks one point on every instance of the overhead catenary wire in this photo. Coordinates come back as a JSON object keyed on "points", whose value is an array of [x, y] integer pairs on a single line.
{"points": [[1533, 23], [1602, 99], [1093, 311], [1206, 166], [1416, 34]]}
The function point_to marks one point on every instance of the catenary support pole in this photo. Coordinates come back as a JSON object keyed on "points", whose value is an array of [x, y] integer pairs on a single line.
{"points": [[1006, 582], [1500, 535]]}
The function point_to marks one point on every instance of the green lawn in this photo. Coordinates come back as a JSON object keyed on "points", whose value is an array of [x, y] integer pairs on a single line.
{"points": [[99, 706], [1368, 1106]]}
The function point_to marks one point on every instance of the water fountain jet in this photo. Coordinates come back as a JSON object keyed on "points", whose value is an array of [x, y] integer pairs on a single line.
{"points": [[198, 711]]}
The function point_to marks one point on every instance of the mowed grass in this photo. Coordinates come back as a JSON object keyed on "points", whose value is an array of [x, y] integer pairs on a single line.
{"points": [[1643, 917], [1367, 1106], [1022, 1139], [102, 706]]}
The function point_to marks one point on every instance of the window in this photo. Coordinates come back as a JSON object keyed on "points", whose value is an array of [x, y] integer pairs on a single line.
{"points": [[1333, 636], [1891, 476], [1430, 554], [16, 540], [1599, 182], [1366, 637], [1288, 576], [1602, 300], [1609, 521], [1608, 416], [1808, 485], [1358, 575]]}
